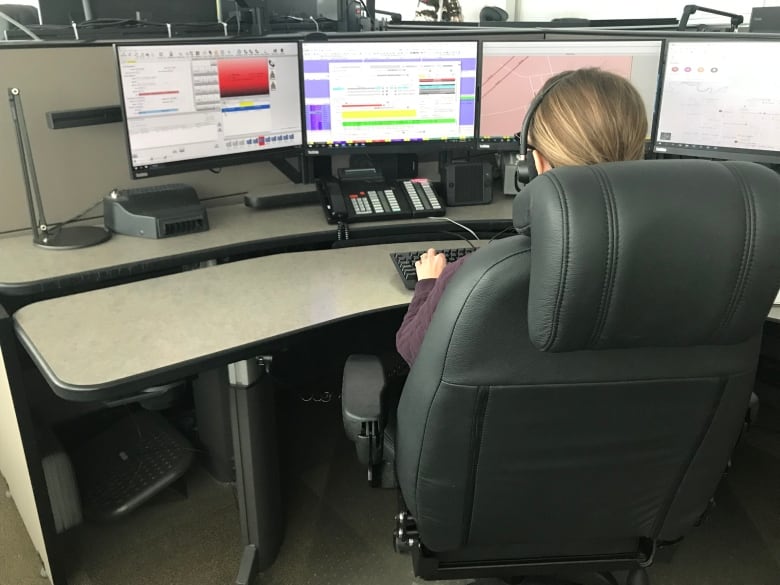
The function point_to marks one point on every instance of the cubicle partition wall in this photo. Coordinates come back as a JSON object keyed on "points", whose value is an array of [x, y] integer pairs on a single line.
{"points": [[20, 461], [77, 166]]}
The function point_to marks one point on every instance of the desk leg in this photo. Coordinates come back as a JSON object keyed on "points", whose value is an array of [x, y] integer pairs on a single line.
{"points": [[253, 419]]}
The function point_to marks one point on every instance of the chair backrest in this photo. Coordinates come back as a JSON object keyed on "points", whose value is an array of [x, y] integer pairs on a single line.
{"points": [[493, 14], [20, 13], [581, 390]]}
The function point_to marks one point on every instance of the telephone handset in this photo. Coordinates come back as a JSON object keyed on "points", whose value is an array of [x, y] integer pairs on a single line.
{"points": [[363, 195], [333, 201]]}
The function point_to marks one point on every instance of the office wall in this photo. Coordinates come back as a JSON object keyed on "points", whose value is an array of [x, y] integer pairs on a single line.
{"points": [[13, 467], [545, 10], [78, 166]]}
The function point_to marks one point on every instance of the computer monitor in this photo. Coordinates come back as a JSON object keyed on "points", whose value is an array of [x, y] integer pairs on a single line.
{"points": [[765, 19], [718, 101], [388, 96], [513, 72], [201, 106]]}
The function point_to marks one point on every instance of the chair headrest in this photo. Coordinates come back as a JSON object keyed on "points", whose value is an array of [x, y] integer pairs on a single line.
{"points": [[652, 254], [493, 14], [521, 212]]}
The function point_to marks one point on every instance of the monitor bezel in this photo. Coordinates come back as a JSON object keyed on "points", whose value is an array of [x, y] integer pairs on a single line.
{"points": [[211, 163], [714, 153], [416, 147], [511, 145]]}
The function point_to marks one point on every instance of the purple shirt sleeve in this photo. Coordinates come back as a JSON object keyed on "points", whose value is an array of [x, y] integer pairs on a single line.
{"points": [[427, 293]]}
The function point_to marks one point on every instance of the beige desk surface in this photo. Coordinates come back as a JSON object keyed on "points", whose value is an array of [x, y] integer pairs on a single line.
{"points": [[100, 338], [774, 314], [22, 263]]}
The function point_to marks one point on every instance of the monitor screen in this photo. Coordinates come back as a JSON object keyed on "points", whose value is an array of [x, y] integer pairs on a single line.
{"points": [[513, 72], [718, 102], [203, 106], [409, 95]]}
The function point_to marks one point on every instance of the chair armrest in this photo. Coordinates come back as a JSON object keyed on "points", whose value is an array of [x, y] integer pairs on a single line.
{"points": [[361, 407], [361, 393]]}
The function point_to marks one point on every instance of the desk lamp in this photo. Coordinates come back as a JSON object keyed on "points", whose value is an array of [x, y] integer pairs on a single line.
{"points": [[46, 235]]}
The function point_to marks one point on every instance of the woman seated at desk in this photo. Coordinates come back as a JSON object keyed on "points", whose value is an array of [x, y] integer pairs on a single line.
{"points": [[581, 117]]}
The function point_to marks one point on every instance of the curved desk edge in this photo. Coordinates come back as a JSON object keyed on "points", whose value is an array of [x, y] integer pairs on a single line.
{"points": [[122, 387], [114, 341]]}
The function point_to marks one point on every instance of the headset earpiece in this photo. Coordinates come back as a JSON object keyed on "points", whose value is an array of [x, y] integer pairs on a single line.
{"points": [[525, 170]]}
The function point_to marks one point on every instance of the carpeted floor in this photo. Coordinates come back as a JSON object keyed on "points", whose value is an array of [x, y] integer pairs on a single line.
{"points": [[338, 529]]}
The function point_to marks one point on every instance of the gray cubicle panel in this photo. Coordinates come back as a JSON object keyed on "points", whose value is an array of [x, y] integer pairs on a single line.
{"points": [[77, 166], [615, 34], [20, 461]]}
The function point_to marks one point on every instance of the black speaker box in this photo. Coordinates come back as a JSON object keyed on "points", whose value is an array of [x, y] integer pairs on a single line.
{"points": [[469, 183]]}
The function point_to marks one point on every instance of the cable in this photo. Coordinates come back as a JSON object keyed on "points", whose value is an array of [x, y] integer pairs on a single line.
{"points": [[460, 225], [20, 26], [462, 237], [55, 227], [14, 231], [503, 231], [363, 4], [342, 231]]}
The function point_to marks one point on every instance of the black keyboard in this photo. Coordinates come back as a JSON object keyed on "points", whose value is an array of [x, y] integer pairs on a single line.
{"points": [[404, 262]]}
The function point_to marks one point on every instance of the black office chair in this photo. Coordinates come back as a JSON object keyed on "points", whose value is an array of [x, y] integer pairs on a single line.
{"points": [[21, 12], [493, 14], [578, 394]]}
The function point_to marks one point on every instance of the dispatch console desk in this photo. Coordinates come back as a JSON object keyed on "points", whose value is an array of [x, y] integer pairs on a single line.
{"points": [[115, 341], [235, 229], [176, 325]]}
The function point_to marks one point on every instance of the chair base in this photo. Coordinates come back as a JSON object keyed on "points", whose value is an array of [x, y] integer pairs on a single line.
{"points": [[637, 576], [596, 570]]}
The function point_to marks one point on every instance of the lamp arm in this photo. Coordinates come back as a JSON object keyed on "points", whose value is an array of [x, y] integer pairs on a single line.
{"points": [[32, 189]]}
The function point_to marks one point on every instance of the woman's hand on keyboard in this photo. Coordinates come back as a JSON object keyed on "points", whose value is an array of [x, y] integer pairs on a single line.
{"points": [[430, 264]]}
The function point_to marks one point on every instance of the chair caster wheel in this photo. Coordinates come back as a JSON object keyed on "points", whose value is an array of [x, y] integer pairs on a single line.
{"points": [[637, 577], [400, 545]]}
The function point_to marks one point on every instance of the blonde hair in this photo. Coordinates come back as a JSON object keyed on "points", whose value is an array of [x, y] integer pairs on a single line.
{"points": [[590, 116]]}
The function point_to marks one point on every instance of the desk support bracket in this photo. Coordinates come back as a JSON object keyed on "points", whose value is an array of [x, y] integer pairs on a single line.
{"points": [[289, 170], [253, 420]]}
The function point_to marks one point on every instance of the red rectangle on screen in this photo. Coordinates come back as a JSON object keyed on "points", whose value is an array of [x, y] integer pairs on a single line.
{"points": [[240, 77]]}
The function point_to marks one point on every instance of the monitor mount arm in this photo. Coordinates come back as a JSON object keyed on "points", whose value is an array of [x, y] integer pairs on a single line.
{"points": [[45, 235], [689, 9], [394, 16]]}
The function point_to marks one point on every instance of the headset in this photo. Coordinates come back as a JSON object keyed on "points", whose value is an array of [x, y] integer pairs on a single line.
{"points": [[525, 170]]}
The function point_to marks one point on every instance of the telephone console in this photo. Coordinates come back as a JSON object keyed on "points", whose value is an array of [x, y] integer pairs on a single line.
{"points": [[364, 195]]}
